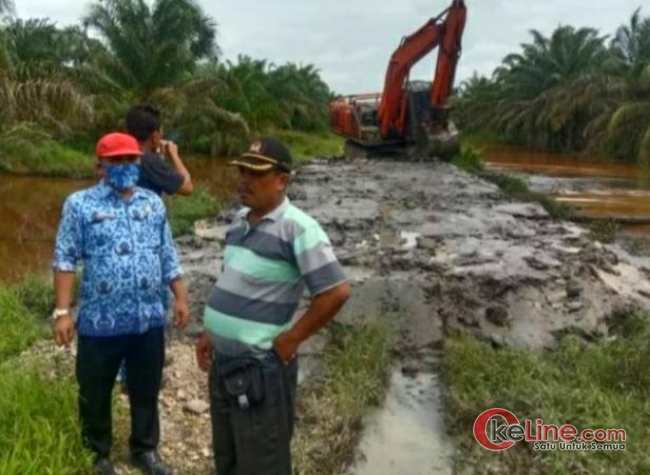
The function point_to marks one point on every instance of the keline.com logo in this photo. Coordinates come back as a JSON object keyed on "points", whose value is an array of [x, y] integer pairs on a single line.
{"points": [[493, 434]]}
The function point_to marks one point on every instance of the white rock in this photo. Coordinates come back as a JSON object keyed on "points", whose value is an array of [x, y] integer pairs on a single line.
{"points": [[197, 406]]}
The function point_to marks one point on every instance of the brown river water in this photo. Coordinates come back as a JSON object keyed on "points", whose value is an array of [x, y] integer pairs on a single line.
{"points": [[30, 206], [30, 209]]}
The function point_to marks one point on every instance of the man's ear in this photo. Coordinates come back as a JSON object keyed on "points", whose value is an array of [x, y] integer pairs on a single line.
{"points": [[156, 138], [285, 179]]}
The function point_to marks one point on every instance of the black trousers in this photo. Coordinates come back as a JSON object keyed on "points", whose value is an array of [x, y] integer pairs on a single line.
{"points": [[98, 361], [257, 440]]}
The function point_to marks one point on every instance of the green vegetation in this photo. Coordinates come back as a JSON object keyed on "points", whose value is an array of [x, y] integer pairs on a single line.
{"points": [[309, 145], [20, 327], [356, 365], [604, 230], [604, 385], [573, 91], [39, 431], [38, 399], [36, 294], [470, 160], [183, 211], [25, 150], [67, 86]]}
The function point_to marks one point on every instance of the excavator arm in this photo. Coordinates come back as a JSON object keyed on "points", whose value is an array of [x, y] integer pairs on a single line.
{"points": [[445, 33]]}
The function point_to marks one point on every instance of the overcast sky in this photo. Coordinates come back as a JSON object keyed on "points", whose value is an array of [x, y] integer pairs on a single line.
{"points": [[350, 41]]}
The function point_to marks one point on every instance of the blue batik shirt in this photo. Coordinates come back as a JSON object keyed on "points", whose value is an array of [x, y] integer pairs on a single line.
{"points": [[128, 257]]}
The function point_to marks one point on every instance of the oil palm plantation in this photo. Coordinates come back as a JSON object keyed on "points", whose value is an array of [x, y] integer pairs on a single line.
{"points": [[37, 85], [571, 91], [539, 103]]}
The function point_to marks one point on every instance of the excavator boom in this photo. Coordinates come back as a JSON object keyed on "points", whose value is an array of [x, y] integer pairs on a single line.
{"points": [[411, 115], [436, 32]]}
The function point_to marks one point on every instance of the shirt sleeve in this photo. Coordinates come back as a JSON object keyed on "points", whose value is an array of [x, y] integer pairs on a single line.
{"points": [[161, 174], [171, 268], [315, 257], [68, 244]]}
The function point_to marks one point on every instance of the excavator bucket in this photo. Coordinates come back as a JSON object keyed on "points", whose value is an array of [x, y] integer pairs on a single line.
{"points": [[444, 145]]}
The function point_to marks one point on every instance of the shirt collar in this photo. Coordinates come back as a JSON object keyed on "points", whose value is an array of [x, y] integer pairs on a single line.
{"points": [[273, 215]]}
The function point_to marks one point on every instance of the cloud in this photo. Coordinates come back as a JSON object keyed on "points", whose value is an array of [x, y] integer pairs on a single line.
{"points": [[351, 42]]}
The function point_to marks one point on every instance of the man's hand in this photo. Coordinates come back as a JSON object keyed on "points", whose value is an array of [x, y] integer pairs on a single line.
{"points": [[170, 149], [181, 313], [286, 346], [204, 352], [64, 330]]}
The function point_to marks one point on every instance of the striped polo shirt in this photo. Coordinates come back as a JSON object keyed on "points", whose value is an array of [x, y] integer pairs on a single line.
{"points": [[266, 269]]}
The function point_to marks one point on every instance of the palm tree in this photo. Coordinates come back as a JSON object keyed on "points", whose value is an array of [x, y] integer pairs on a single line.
{"points": [[150, 48], [6, 6], [628, 127], [301, 94], [632, 43], [36, 85], [540, 97]]}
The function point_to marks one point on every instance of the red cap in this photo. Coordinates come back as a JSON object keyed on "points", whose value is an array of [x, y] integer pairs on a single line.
{"points": [[116, 144]]}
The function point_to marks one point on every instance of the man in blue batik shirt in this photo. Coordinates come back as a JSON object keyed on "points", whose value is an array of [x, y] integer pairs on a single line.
{"points": [[121, 234]]}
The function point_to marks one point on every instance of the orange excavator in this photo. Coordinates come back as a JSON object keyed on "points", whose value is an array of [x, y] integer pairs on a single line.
{"points": [[408, 116]]}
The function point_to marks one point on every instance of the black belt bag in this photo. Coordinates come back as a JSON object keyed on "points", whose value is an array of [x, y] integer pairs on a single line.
{"points": [[244, 381]]}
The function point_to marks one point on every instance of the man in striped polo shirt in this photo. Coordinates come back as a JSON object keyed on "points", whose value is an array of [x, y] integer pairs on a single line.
{"points": [[274, 251]]}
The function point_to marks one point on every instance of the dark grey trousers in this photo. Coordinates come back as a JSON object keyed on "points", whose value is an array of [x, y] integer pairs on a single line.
{"points": [[257, 440], [98, 361]]}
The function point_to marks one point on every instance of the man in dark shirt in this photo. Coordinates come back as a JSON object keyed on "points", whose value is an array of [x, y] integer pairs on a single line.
{"points": [[157, 174]]}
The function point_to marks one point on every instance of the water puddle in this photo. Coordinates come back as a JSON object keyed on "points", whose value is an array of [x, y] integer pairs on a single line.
{"points": [[409, 239], [407, 435]]}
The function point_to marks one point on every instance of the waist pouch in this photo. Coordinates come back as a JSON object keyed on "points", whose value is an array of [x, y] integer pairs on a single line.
{"points": [[244, 381]]}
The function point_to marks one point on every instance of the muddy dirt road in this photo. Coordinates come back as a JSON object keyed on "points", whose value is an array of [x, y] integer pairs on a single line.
{"points": [[431, 248]]}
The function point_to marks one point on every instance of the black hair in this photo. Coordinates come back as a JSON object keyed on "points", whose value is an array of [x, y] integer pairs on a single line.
{"points": [[142, 120]]}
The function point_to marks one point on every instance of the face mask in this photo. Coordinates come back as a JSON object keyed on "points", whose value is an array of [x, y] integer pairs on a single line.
{"points": [[122, 177]]}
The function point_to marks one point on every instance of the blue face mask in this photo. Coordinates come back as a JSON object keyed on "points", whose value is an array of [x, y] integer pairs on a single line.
{"points": [[122, 177]]}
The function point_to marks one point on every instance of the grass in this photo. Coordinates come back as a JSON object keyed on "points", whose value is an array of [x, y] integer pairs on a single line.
{"points": [[305, 146], [355, 376], [20, 327], [27, 151], [637, 246], [183, 211], [36, 294], [604, 385], [515, 188], [604, 230], [469, 160], [39, 432], [479, 139]]}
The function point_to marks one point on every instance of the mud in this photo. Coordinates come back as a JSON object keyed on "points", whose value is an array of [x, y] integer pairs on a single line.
{"points": [[430, 249]]}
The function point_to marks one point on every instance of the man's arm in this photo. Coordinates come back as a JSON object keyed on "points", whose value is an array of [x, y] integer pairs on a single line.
{"points": [[67, 252], [64, 291], [171, 151], [326, 282], [172, 272], [321, 311], [181, 306]]}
